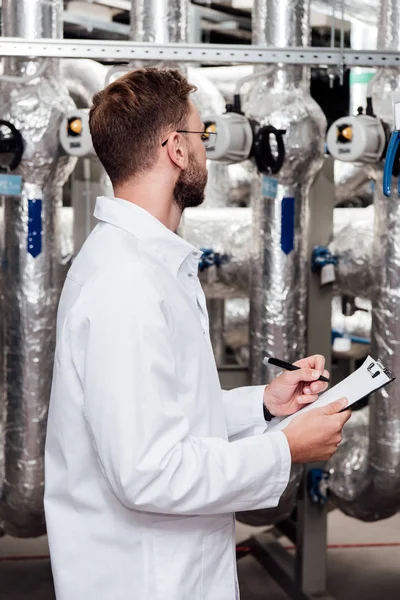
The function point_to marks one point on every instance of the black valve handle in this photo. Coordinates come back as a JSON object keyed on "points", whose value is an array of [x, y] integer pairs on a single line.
{"points": [[11, 144], [265, 160]]}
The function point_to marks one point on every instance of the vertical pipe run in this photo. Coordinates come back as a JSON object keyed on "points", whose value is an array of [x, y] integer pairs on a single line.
{"points": [[32, 262], [160, 21], [280, 204]]}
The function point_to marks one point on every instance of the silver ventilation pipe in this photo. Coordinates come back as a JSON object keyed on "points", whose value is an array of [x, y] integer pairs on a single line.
{"points": [[83, 78], [280, 204], [34, 98], [278, 285], [366, 478], [160, 21], [228, 232]]}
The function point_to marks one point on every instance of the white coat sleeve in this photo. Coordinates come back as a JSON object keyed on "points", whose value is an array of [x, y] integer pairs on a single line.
{"points": [[138, 429], [244, 411]]}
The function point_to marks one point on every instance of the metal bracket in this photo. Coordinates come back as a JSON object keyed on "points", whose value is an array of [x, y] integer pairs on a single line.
{"points": [[204, 53]]}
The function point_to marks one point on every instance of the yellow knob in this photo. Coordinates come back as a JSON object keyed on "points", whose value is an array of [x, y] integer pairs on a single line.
{"points": [[76, 126], [347, 133]]}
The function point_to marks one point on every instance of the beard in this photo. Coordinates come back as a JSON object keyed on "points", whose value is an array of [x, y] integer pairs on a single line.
{"points": [[190, 188]]}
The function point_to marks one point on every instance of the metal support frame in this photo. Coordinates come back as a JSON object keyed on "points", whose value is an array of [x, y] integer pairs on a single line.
{"points": [[122, 51]]}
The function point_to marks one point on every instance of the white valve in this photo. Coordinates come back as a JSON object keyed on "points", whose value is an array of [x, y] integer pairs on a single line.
{"points": [[359, 138], [233, 139], [75, 135]]}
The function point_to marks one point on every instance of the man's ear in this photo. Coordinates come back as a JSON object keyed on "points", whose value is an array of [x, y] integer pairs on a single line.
{"points": [[177, 151]]}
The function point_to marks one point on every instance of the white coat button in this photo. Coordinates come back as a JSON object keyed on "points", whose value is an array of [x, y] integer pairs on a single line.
{"points": [[190, 274]]}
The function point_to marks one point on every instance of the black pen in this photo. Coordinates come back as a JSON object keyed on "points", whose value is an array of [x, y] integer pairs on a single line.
{"points": [[288, 366]]}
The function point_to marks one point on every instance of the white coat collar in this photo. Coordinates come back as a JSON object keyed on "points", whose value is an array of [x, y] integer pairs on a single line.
{"points": [[161, 242]]}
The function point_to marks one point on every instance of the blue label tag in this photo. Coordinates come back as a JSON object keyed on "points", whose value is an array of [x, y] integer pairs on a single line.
{"points": [[34, 227], [287, 226], [10, 185], [269, 187]]}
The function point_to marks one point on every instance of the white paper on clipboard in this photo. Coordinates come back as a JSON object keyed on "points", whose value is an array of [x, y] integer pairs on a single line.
{"points": [[371, 376]]}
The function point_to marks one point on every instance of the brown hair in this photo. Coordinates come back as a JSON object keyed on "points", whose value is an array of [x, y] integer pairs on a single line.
{"points": [[130, 117]]}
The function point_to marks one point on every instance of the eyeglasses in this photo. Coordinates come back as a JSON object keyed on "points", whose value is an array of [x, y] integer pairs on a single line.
{"points": [[206, 136]]}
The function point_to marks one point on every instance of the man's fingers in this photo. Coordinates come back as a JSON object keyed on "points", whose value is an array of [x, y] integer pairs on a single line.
{"points": [[315, 388], [295, 377], [309, 399], [319, 362], [345, 416], [335, 407], [316, 362]]}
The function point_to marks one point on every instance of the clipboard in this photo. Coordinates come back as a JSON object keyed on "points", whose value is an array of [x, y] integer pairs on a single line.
{"points": [[370, 377]]}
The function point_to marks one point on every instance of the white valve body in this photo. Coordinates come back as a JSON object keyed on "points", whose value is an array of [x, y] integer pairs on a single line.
{"points": [[357, 139], [233, 140]]}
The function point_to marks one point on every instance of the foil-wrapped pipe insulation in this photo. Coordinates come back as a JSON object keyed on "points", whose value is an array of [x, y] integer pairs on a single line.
{"points": [[227, 78], [279, 261], [353, 233], [227, 232], [32, 269], [377, 496], [160, 21], [353, 184], [349, 467], [83, 78], [278, 296]]}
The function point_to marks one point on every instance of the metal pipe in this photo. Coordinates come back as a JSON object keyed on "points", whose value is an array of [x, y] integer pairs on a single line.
{"points": [[278, 284], [83, 79], [228, 232], [160, 21], [32, 261], [366, 478], [278, 277]]}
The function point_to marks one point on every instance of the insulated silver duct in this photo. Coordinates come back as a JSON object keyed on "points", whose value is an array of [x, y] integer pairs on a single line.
{"points": [[35, 103], [353, 234], [83, 78], [278, 298], [227, 231], [377, 495], [278, 284], [160, 21]]}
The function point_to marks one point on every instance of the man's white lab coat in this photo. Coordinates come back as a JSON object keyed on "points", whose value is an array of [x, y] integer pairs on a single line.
{"points": [[146, 458]]}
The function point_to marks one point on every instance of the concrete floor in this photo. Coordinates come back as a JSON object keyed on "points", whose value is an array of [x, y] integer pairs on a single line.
{"points": [[357, 573]]}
